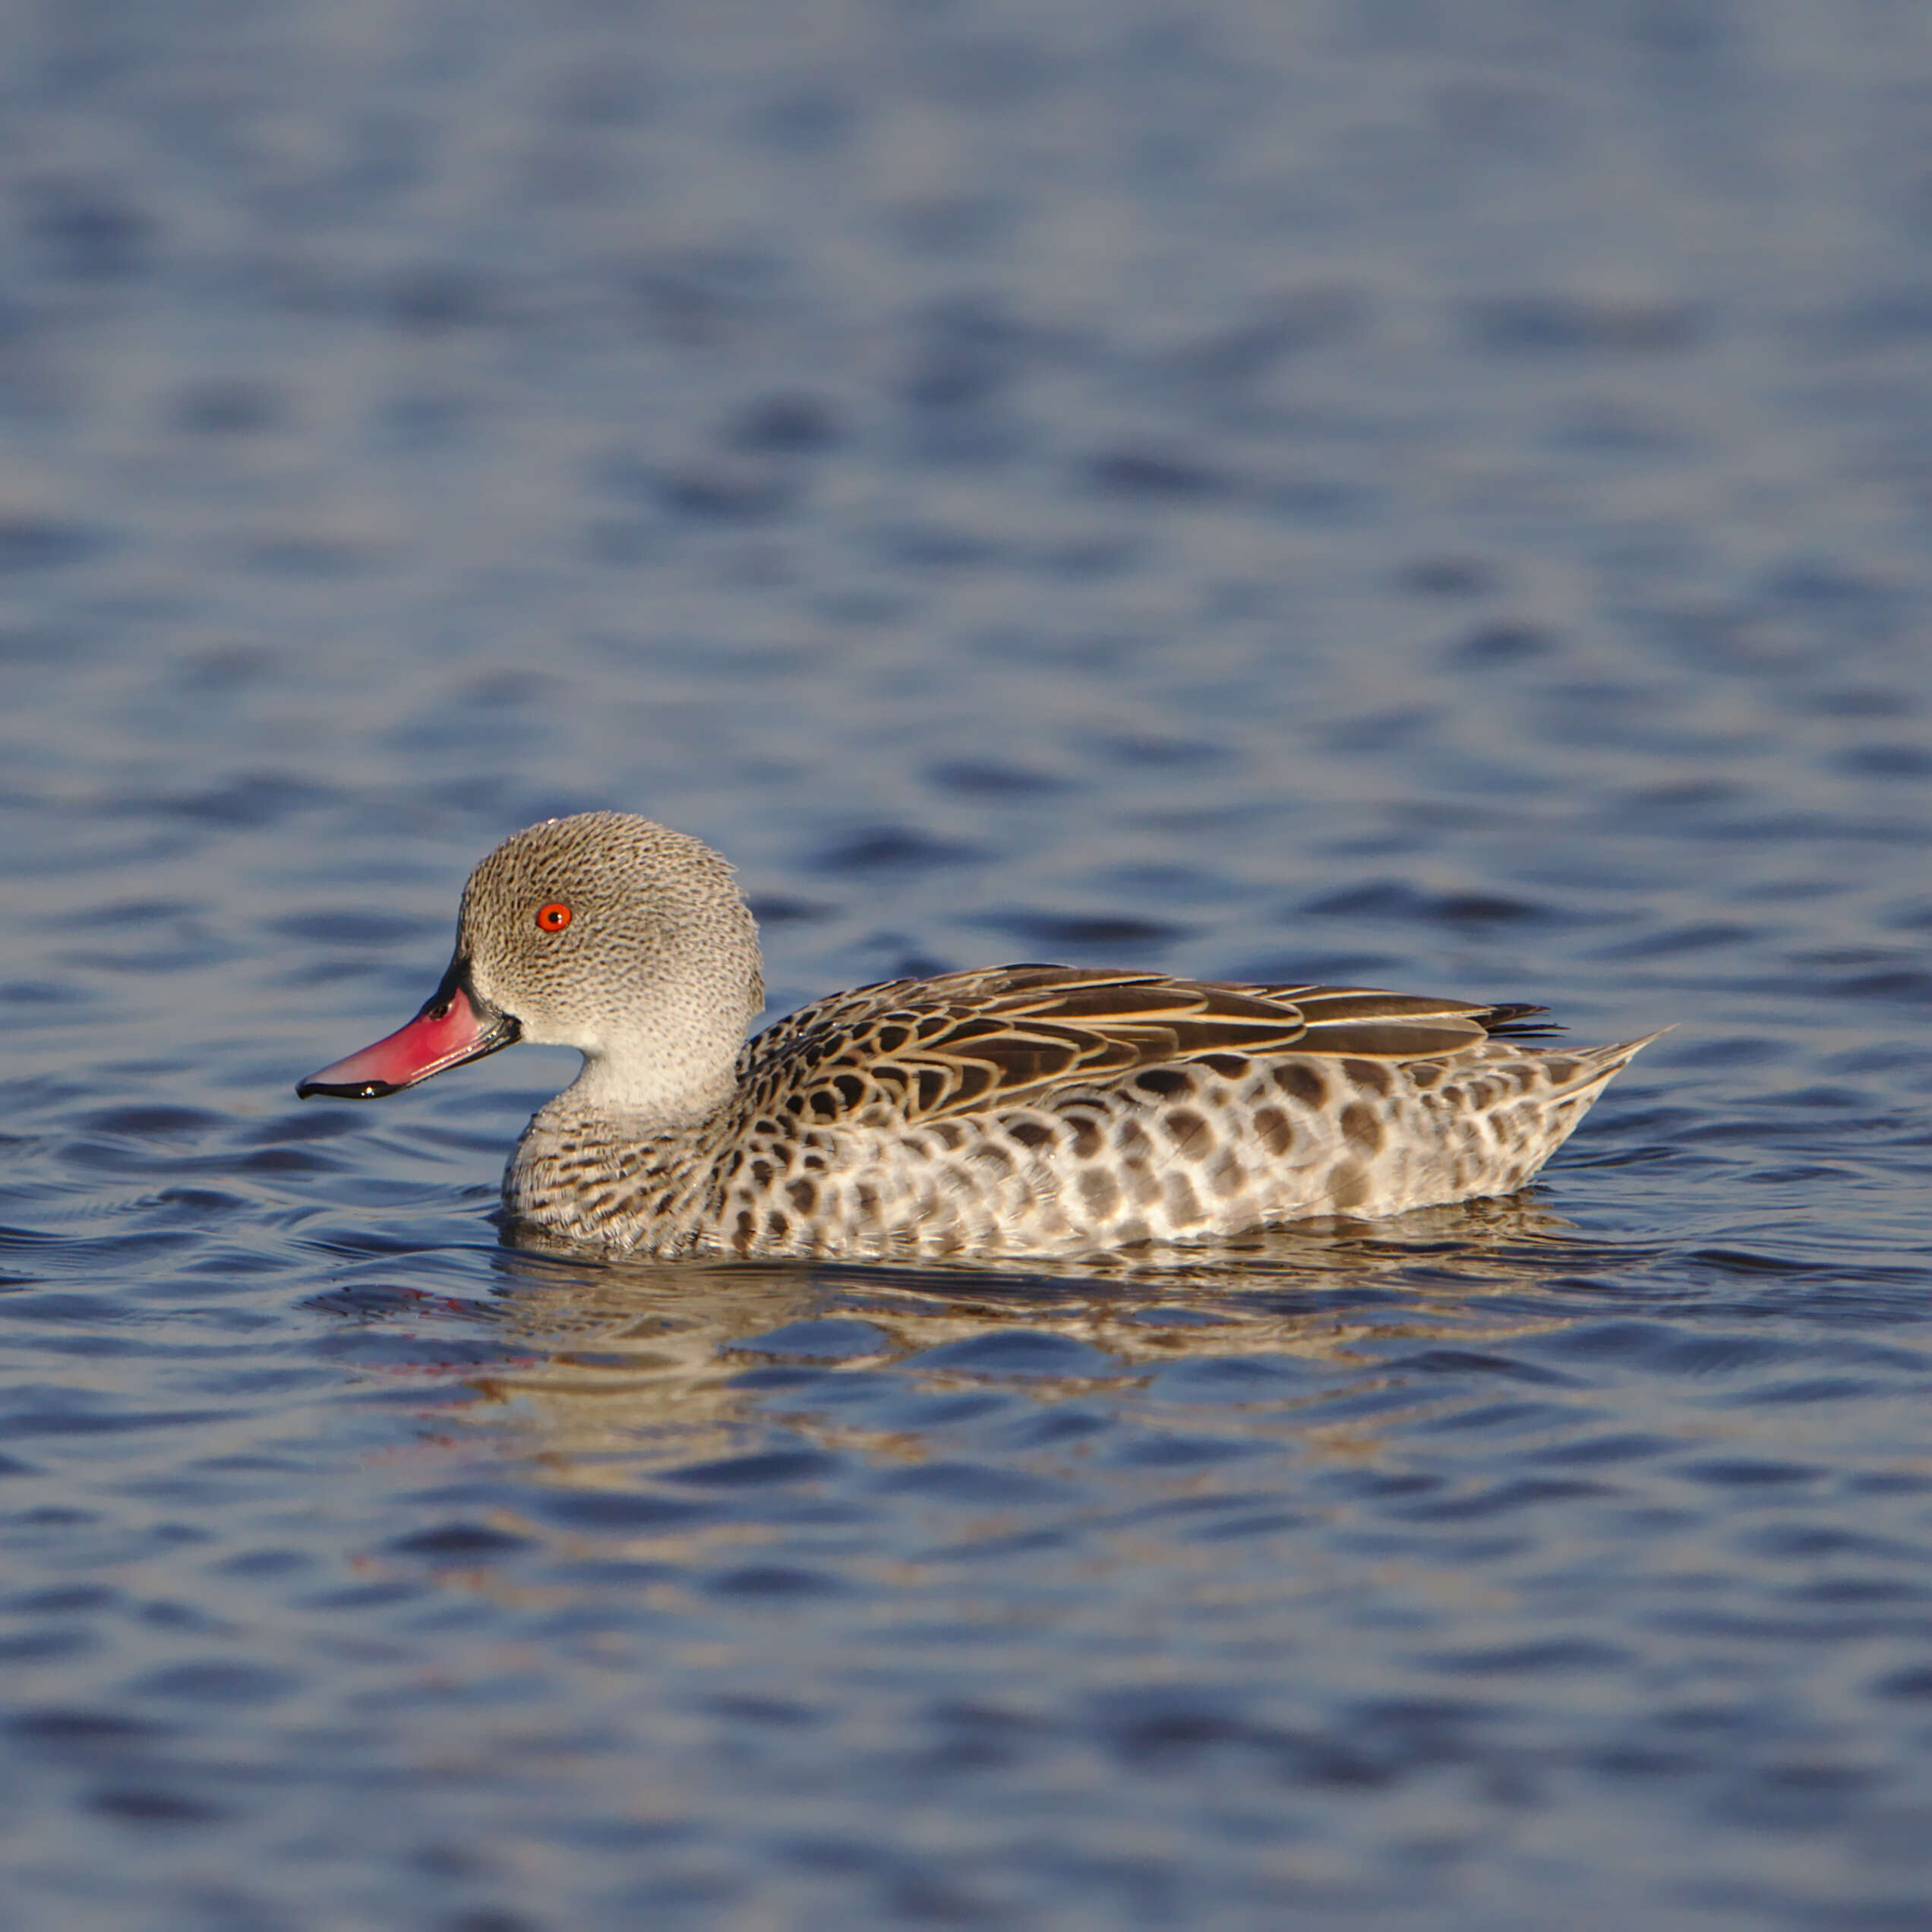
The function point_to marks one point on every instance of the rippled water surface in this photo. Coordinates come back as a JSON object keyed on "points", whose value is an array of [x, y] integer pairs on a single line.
{"points": [[1433, 496]]}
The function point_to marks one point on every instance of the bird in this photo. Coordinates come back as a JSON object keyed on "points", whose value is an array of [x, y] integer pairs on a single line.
{"points": [[1001, 1111]]}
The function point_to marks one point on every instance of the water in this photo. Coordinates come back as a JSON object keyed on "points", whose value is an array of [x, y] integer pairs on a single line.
{"points": [[1432, 496]]}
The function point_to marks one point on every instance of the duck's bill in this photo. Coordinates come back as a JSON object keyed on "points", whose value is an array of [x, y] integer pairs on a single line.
{"points": [[454, 1026]]}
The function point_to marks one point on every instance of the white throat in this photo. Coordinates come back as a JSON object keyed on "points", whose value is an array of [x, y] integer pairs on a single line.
{"points": [[678, 1063]]}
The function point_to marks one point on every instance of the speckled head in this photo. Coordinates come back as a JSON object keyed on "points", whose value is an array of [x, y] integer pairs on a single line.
{"points": [[602, 931]]}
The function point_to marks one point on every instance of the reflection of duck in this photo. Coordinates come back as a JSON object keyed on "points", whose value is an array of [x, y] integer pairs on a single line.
{"points": [[620, 1360], [1017, 1110]]}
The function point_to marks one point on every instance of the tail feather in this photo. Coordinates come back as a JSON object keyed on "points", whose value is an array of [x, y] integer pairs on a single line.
{"points": [[1596, 1065], [1515, 1023]]}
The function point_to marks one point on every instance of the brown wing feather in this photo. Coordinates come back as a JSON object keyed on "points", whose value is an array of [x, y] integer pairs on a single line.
{"points": [[1365, 1024], [966, 1040]]}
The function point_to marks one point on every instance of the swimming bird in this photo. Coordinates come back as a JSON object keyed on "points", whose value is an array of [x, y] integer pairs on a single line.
{"points": [[1007, 1110]]}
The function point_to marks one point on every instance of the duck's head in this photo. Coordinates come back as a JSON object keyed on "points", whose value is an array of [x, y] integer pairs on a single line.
{"points": [[603, 932]]}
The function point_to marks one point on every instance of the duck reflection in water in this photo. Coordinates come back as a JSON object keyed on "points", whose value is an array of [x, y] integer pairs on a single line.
{"points": [[617, 1367]]}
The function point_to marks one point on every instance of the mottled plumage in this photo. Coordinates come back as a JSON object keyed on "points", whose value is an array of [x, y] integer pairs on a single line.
{"points": [[1014, 1109]]}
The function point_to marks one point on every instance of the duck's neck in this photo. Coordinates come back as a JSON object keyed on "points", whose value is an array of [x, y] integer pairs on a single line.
{"points": [[625, 1153], [675, 1064], [645, 1098]]}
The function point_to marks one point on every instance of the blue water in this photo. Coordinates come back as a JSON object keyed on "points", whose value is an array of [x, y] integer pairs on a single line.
{"points": [[1432, 496]]}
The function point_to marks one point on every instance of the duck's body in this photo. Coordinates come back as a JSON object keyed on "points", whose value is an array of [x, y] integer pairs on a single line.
{"points": [[1038, 1109], [1013, 1110]]}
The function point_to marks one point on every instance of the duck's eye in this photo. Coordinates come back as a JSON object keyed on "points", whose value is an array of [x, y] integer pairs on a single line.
{"points": [[553, 918]]}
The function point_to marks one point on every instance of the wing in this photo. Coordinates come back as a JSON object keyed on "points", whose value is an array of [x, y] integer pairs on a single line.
{"points": [[924, 1048]]}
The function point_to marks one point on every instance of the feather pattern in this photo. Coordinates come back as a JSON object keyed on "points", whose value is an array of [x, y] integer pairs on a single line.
{"points": [[1002, 1034]]}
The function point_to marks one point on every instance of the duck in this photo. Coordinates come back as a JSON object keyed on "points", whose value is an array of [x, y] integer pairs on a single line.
{"points": [[1004, 1110]]}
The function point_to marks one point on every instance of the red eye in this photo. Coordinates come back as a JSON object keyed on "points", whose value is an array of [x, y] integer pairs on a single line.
{"points": [[553, 918]]}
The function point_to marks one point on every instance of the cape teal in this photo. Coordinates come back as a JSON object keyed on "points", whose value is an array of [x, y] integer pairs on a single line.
{"points": [[1010, 1110]]}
